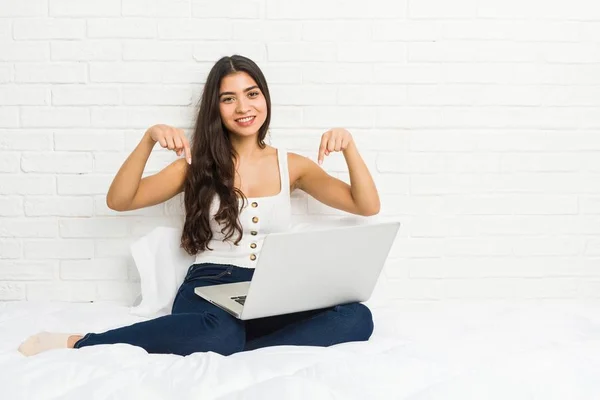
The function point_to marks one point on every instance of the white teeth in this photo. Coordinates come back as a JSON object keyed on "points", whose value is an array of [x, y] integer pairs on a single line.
{"points": [[244, 119]]}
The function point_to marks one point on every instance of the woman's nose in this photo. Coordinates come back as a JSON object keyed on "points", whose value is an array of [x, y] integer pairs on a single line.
{"points": [[241, 107]]}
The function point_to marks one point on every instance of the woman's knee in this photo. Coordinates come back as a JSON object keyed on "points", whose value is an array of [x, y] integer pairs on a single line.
{"points": [[220, 335], [359, 320]]}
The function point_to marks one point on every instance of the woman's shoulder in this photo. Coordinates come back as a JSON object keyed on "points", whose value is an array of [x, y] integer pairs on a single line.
{"points": [[295, 158], [298, 159], [297, 165]]}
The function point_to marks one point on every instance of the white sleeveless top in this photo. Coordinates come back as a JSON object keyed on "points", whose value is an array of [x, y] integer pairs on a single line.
{"points": [[259, 217]]}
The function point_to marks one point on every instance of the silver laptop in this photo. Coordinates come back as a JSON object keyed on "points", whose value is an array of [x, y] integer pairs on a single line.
{"points": [[299, 271]]}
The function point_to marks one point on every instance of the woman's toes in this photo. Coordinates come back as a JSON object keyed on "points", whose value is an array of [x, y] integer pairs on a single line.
{"points": [[29, 346]]}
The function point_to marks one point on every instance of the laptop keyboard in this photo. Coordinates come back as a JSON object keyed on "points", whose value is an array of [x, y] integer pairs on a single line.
{"points": [[239, 299]]}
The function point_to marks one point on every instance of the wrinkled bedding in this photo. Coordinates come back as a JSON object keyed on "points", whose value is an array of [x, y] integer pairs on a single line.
{"points": [[419, 350]]}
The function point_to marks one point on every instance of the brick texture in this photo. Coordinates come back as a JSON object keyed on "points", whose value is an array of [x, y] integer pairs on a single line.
{"points": [[478, 120]]}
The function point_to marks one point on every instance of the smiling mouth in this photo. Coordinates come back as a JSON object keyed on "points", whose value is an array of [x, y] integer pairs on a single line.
{"points": [[245, 119]]}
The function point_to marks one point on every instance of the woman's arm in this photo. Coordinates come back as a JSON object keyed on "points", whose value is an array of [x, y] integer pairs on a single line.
{"points": [[363, 188], [360, 197], [125, 184], [129, 192]]}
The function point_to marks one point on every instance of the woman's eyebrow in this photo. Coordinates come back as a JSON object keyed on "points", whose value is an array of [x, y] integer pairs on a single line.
{"points": [[245, 90]]}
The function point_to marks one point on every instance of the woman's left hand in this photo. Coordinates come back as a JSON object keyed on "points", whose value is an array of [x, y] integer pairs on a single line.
{"points": [[336, 139]]}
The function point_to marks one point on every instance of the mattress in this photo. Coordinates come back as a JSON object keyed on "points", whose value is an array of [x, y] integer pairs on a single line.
{"points": [[419, 350]]}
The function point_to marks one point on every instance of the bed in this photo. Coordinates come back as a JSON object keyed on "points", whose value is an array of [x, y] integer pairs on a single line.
{"points": [[419, 350]]}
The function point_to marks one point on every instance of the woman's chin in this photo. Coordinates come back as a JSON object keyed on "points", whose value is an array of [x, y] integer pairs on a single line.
{"points": [[243, 133]]}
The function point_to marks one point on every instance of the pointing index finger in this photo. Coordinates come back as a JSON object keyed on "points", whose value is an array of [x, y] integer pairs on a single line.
{"points": [[323, 147], [188, 153], [321, 153], [186, 148]]}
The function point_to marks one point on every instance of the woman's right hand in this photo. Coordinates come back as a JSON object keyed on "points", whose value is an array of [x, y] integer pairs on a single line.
{"points": [[171, 138]]}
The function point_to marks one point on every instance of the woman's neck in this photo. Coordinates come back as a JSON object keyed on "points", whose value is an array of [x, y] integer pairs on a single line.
{"points": [[247, 148]]}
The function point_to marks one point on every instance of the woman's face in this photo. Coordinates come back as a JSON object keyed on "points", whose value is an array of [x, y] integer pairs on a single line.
{"points": [[242, 104]]}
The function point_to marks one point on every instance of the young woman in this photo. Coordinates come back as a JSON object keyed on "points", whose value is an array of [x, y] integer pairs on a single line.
{"points": [[233, 183]]}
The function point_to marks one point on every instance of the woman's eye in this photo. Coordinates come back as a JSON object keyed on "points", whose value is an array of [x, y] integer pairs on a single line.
{"points": [[254, 94], [226, 99]]}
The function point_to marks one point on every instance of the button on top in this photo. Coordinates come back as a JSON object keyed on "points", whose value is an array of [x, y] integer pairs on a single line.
{"points": [[253, 233], [255, 219], [254, 204], [253, 245], [253, 257]]}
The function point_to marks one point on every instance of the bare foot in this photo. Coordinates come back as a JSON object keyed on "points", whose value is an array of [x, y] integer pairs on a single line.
{"points": [[44, 341]]}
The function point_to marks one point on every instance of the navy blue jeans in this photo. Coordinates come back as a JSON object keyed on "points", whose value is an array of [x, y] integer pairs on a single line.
{"points": [[196, 325]]}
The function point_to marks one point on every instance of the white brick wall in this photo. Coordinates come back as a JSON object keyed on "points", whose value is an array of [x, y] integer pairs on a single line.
{"points": [[478, 119]]}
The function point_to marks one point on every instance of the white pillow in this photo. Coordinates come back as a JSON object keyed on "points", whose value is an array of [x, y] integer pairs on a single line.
{"points": [[162, 265]]}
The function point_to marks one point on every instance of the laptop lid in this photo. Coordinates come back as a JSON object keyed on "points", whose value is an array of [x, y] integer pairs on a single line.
{"points": [[298, 271]]}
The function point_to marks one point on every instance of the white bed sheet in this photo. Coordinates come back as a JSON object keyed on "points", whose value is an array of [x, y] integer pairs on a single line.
{"points": [[439, 350]]}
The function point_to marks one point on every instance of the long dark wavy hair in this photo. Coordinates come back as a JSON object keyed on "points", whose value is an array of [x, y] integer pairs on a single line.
{"points": [[213, 161]]}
